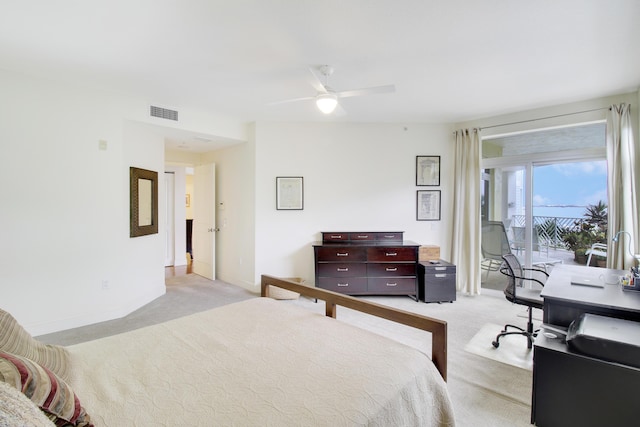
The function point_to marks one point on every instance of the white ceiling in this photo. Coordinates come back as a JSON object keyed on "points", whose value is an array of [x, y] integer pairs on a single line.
{"points": [[450, 60]]}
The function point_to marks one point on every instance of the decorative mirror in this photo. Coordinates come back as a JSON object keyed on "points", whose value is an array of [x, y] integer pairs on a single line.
{"points": [[143, 208]]}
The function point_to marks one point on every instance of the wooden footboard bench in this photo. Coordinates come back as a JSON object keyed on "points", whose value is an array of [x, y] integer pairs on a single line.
{"points": [[437, 328]]}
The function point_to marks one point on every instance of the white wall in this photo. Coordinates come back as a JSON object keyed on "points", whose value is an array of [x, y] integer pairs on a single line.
{"points": [[356, 177], [64, 217]]}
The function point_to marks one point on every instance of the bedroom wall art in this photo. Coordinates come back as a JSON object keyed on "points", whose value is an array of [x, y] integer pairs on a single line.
{"points": [[428, 171], [428, 205], [143, 203], [289, 193]]}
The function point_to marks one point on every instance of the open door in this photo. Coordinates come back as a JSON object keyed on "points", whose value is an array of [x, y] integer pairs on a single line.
{"points": [[204, 221], [170, 256]]}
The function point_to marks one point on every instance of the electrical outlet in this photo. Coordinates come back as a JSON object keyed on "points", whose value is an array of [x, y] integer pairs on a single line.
{"points": [[105, 285]]}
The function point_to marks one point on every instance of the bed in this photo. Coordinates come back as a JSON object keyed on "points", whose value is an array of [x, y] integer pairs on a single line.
{"points": [[258, 362]]}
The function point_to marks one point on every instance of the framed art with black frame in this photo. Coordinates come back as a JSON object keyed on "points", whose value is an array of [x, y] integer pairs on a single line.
{"points": [[427, 171], [428, 205], [289, 193]]}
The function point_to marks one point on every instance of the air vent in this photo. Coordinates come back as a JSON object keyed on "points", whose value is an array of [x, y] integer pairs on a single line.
{"points": [[164, 113]]}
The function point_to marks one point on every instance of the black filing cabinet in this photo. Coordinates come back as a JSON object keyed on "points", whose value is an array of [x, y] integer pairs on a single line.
{"points": [[437, 281]]}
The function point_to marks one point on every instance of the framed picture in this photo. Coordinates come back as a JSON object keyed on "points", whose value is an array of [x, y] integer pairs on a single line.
{"points": [[143, 202], [428, 170], [428, 205], [289, 193]]}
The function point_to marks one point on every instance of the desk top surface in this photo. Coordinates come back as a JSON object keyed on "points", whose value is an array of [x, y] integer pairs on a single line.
{"points": [[558, 287]]}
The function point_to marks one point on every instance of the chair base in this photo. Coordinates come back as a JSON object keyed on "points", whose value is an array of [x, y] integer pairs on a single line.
{"points": [[529, 333]]}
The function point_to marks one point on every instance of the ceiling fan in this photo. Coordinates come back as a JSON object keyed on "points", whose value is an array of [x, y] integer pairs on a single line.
{"points": [[327, 98]]}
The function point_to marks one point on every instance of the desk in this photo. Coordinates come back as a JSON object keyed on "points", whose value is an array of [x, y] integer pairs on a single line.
{"points": [[572, 389], [564, 302]]}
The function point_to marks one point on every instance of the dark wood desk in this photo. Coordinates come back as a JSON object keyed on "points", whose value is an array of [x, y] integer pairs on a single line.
{"points": [[564, 302], [575, 390], [572, 389]]}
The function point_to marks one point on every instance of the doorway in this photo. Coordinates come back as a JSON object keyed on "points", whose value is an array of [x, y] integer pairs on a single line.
{"points": [[539, 184], [192, 205], [169, 202]]}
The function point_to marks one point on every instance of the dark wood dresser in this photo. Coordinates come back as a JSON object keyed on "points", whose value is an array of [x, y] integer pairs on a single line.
{"points": [[367, 263]]}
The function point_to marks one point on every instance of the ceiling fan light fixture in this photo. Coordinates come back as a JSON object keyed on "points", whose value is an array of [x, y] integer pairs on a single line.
{"points": [[327, 102]]}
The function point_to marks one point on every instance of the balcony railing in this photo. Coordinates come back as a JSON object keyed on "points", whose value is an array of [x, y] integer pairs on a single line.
{"points": [[548, 228]]}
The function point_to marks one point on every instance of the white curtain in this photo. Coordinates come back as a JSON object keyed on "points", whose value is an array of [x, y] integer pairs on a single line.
{"points": [[465, 247], [621, 184]]}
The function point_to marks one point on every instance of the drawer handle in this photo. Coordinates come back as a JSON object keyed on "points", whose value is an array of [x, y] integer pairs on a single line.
{"points": [[362, 236], [391, 236], [440, 275], [391, 269], [342, 254], [390, 254], [392, 284], [440, 268], [339, 236], [342, 269], [343, 285]]}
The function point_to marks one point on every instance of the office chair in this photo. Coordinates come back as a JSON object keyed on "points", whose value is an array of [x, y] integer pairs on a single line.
{"points": [[518, 294]]}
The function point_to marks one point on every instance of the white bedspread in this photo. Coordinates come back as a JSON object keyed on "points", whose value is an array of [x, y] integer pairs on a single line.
{"points": [[257, 363]]}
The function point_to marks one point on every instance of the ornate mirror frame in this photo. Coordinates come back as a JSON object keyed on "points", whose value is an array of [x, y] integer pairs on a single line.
{"points": [[143, 204]]}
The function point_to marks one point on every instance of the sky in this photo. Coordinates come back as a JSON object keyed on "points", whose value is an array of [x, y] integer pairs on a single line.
{"points": [[579, 184]]}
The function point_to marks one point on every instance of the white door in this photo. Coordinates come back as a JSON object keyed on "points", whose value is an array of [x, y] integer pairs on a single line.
{"points": [[204, 221], [169, 227]]}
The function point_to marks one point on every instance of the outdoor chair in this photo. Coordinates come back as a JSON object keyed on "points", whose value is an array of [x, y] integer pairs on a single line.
{"points": [[517, 293], [598, 249], [494, 244], [539, 245]]}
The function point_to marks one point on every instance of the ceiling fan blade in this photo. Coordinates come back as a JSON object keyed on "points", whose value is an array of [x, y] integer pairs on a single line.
{"points": [[316, 83], [286, 101], [339, 111], [366, 91]]}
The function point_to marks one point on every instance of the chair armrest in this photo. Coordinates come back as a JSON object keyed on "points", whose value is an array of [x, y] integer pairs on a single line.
{"points": [[506, 273], [539, 270]]}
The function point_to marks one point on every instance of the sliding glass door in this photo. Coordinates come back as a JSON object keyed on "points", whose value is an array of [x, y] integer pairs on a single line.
{"points": [[539, 184]]}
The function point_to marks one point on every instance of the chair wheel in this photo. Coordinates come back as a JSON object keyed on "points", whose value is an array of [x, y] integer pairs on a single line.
{"points": [[496, 344]]}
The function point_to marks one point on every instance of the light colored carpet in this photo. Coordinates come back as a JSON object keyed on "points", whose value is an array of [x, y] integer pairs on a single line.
{"points": [[484, 392]]}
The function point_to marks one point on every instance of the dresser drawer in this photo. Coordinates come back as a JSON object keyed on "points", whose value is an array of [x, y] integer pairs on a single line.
{"points": [[391, 270], [329, 237], [341, 254], [392, 254], [393, 285], [347, 285], [334, 269], [389, 237], [362, 237]]}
